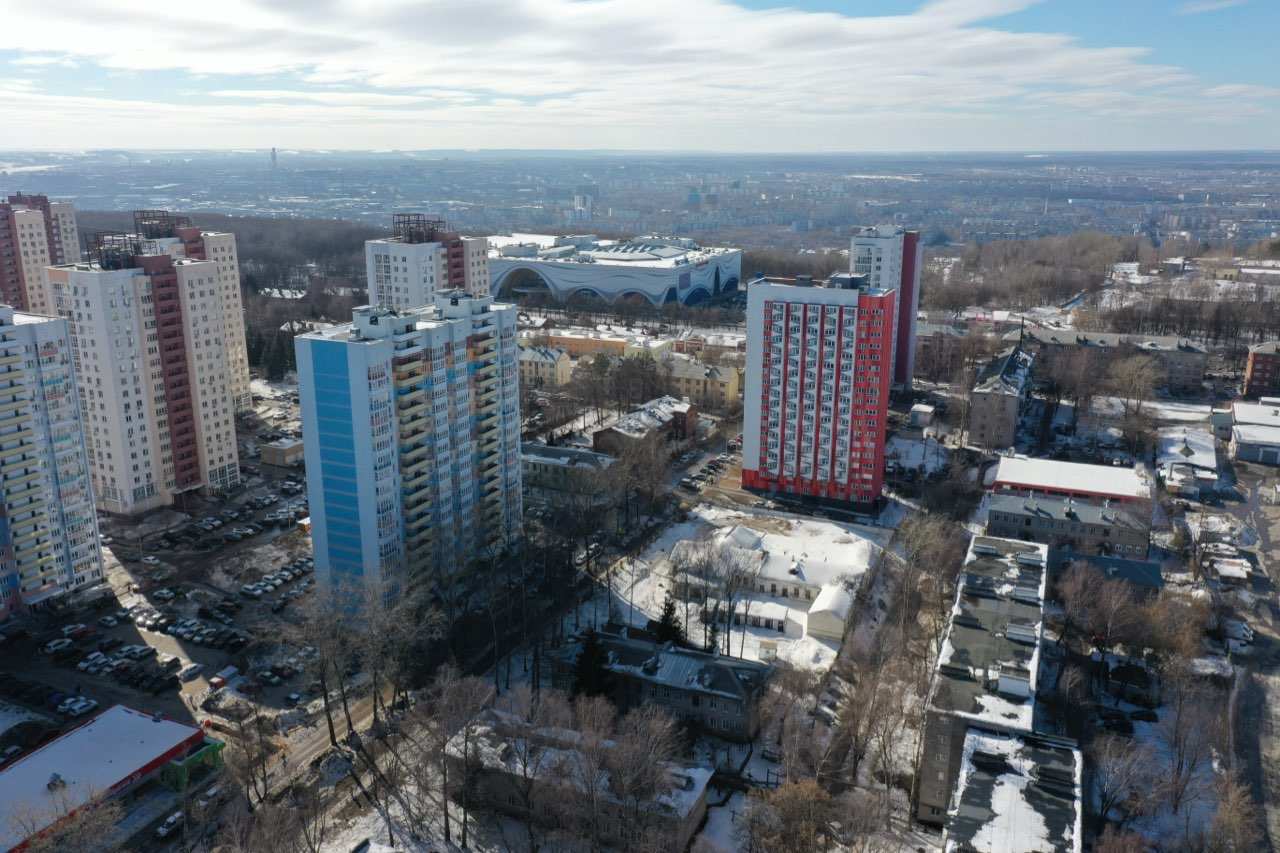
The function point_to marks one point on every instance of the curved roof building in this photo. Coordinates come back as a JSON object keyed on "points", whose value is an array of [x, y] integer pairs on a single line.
{"points": [[657, 270]]}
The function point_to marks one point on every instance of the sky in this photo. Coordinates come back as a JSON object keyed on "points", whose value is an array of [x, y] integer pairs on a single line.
{"points": [[687, 75]]}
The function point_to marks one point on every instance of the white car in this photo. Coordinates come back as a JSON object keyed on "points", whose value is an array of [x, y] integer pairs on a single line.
{"points": [[170, 825], [149, 560], [93, 659], [56, 645], [83, 707], [190, 671]]}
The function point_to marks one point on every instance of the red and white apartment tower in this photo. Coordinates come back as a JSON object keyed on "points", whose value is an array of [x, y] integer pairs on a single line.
{"points": [[819, 368]]}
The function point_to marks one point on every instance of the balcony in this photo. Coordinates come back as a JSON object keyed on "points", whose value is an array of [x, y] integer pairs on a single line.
{"points": [[411, 453]]}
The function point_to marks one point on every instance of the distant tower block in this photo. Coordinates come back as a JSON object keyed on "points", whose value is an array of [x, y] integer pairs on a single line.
{"points": [[273, 157]]}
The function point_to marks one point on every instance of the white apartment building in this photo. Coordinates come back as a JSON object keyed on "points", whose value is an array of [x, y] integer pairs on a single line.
{"points": [[34, 233], [891, 259], [405, 271], [157, 380], [411, 423], [49, 529]]}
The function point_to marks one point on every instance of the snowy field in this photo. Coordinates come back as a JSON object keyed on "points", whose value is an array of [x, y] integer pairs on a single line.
{"points": [[12, 715]]}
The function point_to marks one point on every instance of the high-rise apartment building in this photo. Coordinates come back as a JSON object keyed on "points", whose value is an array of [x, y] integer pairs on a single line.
{"points": [[49, 529], [891, 259], [817, 394], [421, 258], [411, 423], [156, 362], [34, 233]]}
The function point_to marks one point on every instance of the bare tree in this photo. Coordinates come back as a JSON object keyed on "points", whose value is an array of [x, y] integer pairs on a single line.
{"points": [[587, 768], [311, 812], [1235, 823], [1190, 729], [794, 817], [64, 824], [455, 700], [638, 764], [1123, 771], [534, 764], [250, 749], [1133, 380]]}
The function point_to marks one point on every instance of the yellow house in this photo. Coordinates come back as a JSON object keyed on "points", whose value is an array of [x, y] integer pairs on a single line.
{"points": [[544, 367], [708, 386]]}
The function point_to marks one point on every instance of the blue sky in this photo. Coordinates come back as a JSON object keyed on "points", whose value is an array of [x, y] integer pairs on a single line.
{"points": [[752, 75]]}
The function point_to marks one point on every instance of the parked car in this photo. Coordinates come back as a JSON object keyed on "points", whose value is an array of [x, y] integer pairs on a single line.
{"points": [[190, 671], [56, 645], [74, 630], [107, 621], [170, 825]]}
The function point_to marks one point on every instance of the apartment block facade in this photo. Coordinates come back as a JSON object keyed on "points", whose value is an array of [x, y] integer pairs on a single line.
{"points": [[421, 258], [159, 370], [1262, 371], [34, 233], [819, 369], [48, 526], [411, 423], [891, 258]]}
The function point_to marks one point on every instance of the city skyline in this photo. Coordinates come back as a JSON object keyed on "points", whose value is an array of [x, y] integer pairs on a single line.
{"points": [[752, 76]]}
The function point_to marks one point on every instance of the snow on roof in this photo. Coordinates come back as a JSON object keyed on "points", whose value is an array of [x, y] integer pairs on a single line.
{"points": [[1255, 434], [1192, 446], [569, 457], [1076, 477], [654, 414], [1009, 372], [813, 553], [90, 760], [988, 667], [1258, 414], [835, 599], [1016, 794]]}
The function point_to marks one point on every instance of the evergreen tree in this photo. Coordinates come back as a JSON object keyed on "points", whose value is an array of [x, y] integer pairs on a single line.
{"points": [[591, 676], [669, 629]]}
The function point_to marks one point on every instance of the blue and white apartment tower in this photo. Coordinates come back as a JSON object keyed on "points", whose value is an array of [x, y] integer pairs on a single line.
{"points": [[411, 425]]}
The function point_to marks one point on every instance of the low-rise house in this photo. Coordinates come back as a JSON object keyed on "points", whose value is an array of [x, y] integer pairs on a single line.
{"points": [[1145, 576], [709, 386], [999, 396], [665, 419], [717, 693], [572, 476], [1182, 361], [536, 774], [804, 579], [283, 452], [1065, 524], [544, 367], [1252, 443], [1187, 460]]}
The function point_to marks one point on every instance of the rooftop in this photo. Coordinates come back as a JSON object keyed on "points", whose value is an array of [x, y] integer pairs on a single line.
{"points": [[683, 367], [89, 761], [1107, 340], [570, 457], [654, 414], [1007, 373], [1259, 414], [1255, 434], [649, 251], [1194, 446], [988, 667], [1021, 472], [548, 355], [813, 553], [1066, 509], [1014, 794], [687, 669]]}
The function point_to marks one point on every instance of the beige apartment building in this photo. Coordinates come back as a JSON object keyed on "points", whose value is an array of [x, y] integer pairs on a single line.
{"points": [[999, 395], [544, 367], [1065, 524], [710, 387], [157, 338]]}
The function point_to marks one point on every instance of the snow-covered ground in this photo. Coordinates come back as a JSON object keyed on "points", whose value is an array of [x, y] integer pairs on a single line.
{"points": [[1168, 411], [12, 715], [927, 454]]}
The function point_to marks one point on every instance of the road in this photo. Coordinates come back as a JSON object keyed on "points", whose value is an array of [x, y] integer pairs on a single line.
{"points": [[1258, 726]]}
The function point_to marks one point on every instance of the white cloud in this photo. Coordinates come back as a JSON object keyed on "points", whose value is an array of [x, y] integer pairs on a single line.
{"points": [[1199, 7], [44, 59], [588, 73]]}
